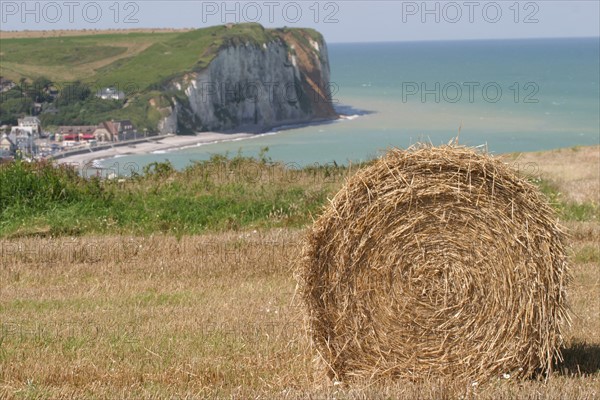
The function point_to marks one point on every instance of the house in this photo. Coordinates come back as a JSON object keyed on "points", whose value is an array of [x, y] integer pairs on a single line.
{"points": [[31, 122], [78, 139], [114, 131], [110, 93], [112, 128], [107, 131], [76, 130], [21, 130], [7, 146], [24, 139], [6, 84], [103, 135], [126, 127]]}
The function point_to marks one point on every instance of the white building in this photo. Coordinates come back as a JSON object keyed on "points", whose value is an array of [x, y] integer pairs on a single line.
{"points": [[23, 139], [7, 146], [110, 93], [21, 131], [31, 122]]}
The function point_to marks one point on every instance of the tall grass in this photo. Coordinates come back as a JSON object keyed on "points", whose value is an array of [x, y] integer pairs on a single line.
{"points": [[215, 195], [223, 193]]}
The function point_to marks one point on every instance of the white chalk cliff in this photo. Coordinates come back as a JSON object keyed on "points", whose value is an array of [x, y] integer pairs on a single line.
{"points": [[256, 87]]}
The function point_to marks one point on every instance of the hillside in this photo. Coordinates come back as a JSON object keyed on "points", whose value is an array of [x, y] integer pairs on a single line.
{"points": [[135, 59], [63, 59], [146, 65]]}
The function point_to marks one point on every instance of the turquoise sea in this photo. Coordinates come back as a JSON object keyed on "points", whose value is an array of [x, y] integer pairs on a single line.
{"points": [[511, 95]]}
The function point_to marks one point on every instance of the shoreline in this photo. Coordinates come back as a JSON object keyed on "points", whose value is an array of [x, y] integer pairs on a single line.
{"points": [[179, 142], [173, 142]]}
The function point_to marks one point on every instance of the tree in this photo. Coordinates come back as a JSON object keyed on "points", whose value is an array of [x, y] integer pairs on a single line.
{"points": [[13, 105], [37, 92], [72, 93]]}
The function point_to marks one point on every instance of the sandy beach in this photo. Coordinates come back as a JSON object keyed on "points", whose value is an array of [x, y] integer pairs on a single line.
{"points": [[163, 144]]}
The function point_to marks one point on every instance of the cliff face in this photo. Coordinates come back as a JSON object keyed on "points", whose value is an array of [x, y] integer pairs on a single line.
{"points": [[257, 86]]}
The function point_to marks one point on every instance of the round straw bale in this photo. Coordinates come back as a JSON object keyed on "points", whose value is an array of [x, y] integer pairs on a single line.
{"points": [[436, 262]]}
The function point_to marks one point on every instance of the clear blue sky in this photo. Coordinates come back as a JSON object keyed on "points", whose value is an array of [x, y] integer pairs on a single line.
{"points": [[339, 21]]}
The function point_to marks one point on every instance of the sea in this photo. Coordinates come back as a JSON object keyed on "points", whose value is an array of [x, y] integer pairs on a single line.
{"points": [[505, 95]]}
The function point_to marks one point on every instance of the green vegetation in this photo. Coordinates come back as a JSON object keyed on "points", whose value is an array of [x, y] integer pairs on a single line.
{"points": [[135, 60], [219, 194], [568, 210], [163, 61], [57, 51], [216, 195], [140, 64], [71, 58], [215, 315], [140, 112], [78, 105], [13, 104], [93, 111], [184, 53]]}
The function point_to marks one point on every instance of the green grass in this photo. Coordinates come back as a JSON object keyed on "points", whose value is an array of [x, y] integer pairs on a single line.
{"points": [[163, 60], [568, 210], [169, 54], [143, 65], [217, 195], [56, 52], [39, 199], [51, 56], [186, 52]]}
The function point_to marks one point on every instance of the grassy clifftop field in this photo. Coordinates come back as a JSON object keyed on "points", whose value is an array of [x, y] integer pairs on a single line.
{"points": [[152, 71], [181, 284], [131, 61]]}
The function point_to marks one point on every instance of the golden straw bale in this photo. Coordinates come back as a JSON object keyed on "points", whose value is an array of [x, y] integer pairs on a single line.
{"points": [[436, 262]]}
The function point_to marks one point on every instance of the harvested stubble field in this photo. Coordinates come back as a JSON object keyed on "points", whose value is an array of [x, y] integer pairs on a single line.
{"points": [[216, 315]]}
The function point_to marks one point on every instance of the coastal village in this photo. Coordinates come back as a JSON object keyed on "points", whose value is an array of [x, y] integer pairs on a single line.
{"points": [[29, 139]]}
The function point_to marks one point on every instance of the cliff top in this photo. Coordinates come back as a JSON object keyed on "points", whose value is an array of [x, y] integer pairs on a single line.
{"points": [[134, 60]]}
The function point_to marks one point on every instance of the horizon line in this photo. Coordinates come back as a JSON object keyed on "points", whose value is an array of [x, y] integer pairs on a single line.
{"points": [[469, 39]]}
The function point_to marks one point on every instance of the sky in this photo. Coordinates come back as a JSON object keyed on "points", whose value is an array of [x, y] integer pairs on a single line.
{"points": [[338, 21]]}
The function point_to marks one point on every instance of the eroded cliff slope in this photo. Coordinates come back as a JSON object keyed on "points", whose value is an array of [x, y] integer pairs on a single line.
{"points": [[255, 85]]}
